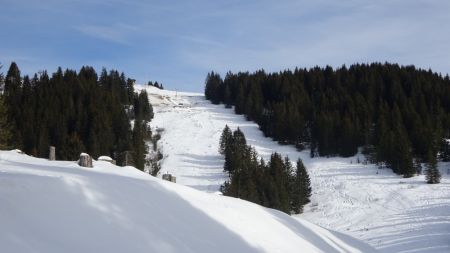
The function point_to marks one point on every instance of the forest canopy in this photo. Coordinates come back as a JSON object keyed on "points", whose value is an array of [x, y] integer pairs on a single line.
{"points": [[397, 114], [76, 112]]}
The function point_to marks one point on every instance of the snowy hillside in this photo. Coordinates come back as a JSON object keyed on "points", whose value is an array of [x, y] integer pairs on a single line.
{"points": [[57, 206], [389, 212]]}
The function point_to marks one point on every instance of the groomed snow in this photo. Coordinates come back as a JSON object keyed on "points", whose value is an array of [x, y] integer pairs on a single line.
{"points": [[389, 212], [57, 206]]}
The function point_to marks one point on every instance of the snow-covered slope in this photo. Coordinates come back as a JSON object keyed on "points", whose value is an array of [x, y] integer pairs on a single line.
{"points": [[390, 213], [56, 206]]}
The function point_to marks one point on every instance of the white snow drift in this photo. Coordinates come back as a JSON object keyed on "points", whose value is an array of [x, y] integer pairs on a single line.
{"points": [[56, 206]]}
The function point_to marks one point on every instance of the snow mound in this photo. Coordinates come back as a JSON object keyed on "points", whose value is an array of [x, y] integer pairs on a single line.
{"points": [[58, 206], [105, 158]]}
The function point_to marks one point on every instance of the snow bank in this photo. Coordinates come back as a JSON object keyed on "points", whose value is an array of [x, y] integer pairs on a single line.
{"points": [[61, 207]]}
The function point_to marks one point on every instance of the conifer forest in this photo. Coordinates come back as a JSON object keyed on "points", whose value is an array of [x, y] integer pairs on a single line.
{"points": [[399, 116]]}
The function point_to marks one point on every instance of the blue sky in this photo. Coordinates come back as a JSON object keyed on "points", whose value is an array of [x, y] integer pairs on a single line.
{"points": [[179, 42]]}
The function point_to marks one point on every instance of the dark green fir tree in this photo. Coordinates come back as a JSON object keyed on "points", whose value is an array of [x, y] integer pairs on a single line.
{"points": [[225, 139], [301, 188], [433, 175]]}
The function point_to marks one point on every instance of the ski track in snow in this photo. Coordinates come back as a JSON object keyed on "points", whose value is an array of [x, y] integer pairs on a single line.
{"points": [[391, 213]]}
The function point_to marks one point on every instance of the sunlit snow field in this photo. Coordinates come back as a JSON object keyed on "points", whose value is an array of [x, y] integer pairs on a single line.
{"points": [[389, 212], [58, 206]]}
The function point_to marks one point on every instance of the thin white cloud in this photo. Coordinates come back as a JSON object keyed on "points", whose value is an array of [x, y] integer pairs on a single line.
{"points": [[354, 31], [190, 38], [118, 33], [200, 40]]}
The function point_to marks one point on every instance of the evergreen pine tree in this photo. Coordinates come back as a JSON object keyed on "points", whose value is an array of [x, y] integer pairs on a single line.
{"points": [[433, 175], [225, 140], [239, 139], [130, 90], [5, 133], [212, 88], [12, 99], [139, 147], [227, 97], [280, 199], [445, 150], [240, 101], [229, 160], [301, 188]]}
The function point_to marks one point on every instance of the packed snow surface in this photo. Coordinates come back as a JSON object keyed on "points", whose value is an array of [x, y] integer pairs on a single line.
{"points": [[58, 206], [389, 212]]}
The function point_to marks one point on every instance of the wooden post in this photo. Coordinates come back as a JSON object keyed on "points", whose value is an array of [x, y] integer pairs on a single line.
{"points": [[51, 155], [85, 160]]}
